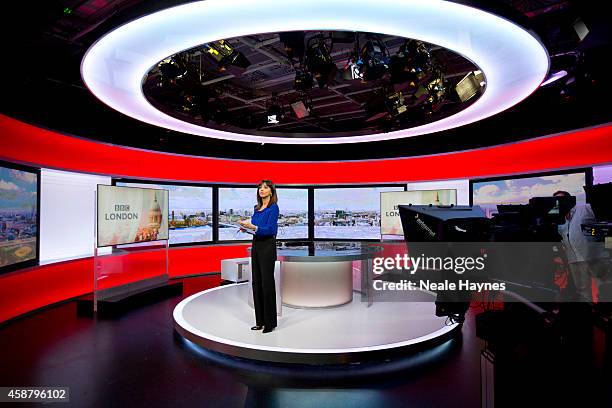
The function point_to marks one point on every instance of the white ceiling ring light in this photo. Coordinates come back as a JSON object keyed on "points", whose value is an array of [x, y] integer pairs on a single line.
{"points": [[513, 61]]}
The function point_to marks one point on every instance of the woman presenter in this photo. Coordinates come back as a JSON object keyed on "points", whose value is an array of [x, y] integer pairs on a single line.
{"points": [[264, 224]]}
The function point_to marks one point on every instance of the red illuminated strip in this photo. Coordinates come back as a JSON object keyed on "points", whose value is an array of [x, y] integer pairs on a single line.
{"points": [[31, 145]]}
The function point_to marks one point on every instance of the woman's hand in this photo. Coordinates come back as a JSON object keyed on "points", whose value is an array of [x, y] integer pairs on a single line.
{"points": [[247, 224]]}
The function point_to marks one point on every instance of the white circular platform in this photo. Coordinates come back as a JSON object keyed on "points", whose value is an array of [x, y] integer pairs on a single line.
{"points": [[220, 319]]}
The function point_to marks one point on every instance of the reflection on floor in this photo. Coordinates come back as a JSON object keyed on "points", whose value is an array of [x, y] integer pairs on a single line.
{"points": [[137, 360]]}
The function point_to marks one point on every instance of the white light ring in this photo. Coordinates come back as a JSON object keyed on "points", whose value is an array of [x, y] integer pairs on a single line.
{"points": [[514, 62]]}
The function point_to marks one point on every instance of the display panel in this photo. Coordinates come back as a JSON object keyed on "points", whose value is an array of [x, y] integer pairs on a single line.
{"points": [[293, 218], [127, 215], [390, 222], [19, 203], [348, 212], [237, 203], [488, 193], [190, 214], [602, 174]]}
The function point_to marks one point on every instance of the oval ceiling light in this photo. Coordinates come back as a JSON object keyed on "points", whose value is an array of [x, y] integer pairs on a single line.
{"points": [[514, 62]]}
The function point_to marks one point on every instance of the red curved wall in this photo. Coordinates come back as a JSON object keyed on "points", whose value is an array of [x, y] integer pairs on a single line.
{"points": [[32, 288]]}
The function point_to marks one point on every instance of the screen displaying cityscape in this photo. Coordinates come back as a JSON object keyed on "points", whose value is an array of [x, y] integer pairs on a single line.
{"points": [[236, 204], [190, 211], [348, 213], [18, 216], [488, 194]]}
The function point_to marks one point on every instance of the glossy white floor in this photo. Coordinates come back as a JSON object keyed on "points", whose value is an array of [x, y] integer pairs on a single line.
{"points": [[220, 319]]}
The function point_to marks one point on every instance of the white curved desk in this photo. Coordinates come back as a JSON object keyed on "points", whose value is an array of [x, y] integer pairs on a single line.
{"points": [[320, 274]]}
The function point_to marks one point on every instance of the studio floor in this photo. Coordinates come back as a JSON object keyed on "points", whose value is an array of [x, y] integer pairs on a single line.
{"points": [[137, 359], [220, 319]]}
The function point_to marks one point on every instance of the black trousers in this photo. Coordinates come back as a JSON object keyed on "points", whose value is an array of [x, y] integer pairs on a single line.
{"points": [[263, 257]]}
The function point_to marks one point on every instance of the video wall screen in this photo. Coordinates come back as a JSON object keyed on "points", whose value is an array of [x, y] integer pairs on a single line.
{"points": [[18, 217], [488, 193], [190, 214], [348, 212], [293, 209], [238, 203], [127, 215], [390, 222], [602, 174]]}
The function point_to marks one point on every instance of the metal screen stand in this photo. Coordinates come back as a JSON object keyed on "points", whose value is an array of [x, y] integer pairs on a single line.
{"points": [[98, 268]]}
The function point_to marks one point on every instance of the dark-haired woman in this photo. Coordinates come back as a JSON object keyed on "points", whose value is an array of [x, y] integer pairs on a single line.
{"points": [[263, 255]]}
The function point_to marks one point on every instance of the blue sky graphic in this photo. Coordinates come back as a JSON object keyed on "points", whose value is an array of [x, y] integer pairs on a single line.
{"points": [[18, 190]]}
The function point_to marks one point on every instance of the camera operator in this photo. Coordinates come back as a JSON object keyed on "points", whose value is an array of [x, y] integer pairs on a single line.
{"points": [[585, 259]]}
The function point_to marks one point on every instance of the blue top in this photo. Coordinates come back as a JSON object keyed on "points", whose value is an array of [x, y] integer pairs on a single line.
{"points": [[266, 221]]}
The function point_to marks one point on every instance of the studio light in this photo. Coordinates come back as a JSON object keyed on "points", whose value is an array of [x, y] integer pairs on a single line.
{"points": [[375, 58], [353, 69], [274, 110], [436, 92], [303, 80], [437, 87], [190, 103], [225, 55], [410, 64], [293, 42], [418, 54], [386, 103], [395, 104], [470, 85], [172, 68], [320, 62]]}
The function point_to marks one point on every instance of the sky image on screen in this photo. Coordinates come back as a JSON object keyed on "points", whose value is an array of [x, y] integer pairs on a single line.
{"points": [[190, 211], [18, 216], [349, 213], [488, 194], [602, 174], [238, 203]]}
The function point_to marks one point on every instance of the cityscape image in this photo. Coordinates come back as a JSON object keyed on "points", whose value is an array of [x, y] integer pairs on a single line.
{"points": [[488, 194], [352, 213], [18, 216], [236, 204], [190, 211]]}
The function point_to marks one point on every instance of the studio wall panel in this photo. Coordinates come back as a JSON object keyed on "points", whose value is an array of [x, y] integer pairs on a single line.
{"points": [[67, 214]]}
